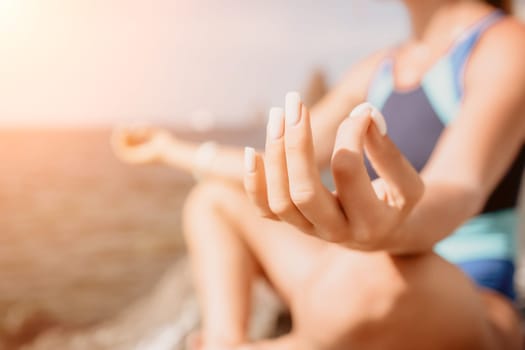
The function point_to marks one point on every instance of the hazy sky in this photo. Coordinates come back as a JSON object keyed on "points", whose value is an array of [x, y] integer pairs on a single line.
{"points": [[105, 61]]}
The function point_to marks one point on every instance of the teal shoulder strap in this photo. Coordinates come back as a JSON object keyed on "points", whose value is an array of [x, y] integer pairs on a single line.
{"points": [[382, 84]]}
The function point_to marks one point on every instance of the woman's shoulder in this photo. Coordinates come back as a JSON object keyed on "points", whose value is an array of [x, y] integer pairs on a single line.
{"points": [[508, 32], [501, 48], [496, 71]]}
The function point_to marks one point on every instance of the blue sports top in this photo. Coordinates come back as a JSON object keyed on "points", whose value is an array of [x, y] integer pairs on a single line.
{"points": [[417, 117]]}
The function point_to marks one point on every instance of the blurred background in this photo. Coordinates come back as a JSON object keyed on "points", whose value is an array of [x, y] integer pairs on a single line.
{"points": [[96, 62], [83, 238]]}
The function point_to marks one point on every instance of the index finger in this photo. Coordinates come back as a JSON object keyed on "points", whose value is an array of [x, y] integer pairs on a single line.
{"points": [[307, 192]]}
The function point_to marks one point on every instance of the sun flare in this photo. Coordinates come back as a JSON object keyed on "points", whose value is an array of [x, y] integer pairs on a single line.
{"points": [[10, 11]]}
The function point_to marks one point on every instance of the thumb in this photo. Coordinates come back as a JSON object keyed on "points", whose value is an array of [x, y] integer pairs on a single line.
{"points": [[389, 162]]}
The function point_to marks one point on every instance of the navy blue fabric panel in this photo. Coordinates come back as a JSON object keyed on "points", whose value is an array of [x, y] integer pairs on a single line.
{"points": [[412, 125], [497, 275], [415, 128]]}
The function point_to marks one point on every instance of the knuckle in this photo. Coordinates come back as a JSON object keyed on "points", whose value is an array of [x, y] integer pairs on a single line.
{"points": [[281, 206], [345, 162], [334, 230], [260, 208], [267, 215], [264, 212], [364, 238], [303, 197], [297, 145], [334, 236]]}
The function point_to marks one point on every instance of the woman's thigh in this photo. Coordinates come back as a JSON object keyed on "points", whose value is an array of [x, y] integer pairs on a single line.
{"points": [[376, 301]]}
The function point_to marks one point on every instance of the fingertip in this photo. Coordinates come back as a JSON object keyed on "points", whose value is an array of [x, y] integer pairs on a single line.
{"points": [[292, 107], [250, 164], [276, 112], [366, 109], [361, 110], [379, 120], [292, 96], [275, 128]]}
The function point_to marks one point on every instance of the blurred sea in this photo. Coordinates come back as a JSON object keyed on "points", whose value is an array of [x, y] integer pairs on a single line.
{"points": [[82, 235]]}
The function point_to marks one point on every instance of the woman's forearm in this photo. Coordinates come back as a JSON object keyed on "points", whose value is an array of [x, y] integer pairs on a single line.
{"points": [[443, 208], [204, 160]]}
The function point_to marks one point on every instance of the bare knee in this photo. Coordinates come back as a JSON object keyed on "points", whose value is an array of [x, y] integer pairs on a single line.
{"points": [[205, 194], [204, 199]]}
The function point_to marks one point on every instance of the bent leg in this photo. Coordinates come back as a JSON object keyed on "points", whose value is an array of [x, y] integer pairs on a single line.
{"points": [[339, 298], [222, 267], [230, 245]]}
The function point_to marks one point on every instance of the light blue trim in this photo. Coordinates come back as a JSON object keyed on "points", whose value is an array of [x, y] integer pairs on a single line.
{"points": [[443, 84], [487, 236], [382, 86], [441, 91], [462, 50]]}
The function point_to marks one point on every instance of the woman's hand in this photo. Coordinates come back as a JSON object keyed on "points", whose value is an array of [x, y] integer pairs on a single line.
{"points": [[139, 145], [361, 214]]}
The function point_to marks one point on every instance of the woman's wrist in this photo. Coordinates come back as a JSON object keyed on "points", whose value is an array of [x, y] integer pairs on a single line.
{"points": [[174, 152], [406, 241], [395, 243], [398, 242]]}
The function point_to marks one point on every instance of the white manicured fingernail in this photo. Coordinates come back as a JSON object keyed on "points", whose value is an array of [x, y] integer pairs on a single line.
{"points": [[367, 109], [249, 160], [361, 110], [293, 103], [379, 120], [275, 123]]}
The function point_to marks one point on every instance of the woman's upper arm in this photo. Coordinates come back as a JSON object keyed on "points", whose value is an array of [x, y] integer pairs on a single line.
{"points": [[481, 143], [329, 112]]}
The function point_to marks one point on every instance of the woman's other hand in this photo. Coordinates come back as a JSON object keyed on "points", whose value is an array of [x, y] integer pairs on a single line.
{"points": [[360, 214], [139, 144]]}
